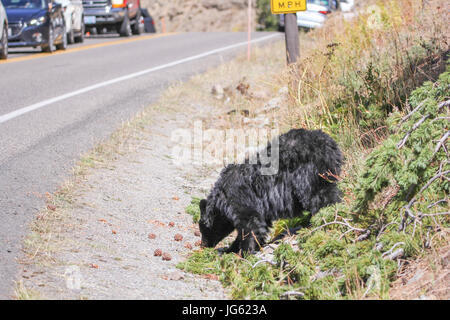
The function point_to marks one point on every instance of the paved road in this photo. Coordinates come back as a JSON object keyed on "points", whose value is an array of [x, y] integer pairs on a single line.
{"points": [[55, 107]]}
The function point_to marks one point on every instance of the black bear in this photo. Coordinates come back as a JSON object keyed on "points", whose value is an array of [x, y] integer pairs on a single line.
{"points": [[245, 199]]}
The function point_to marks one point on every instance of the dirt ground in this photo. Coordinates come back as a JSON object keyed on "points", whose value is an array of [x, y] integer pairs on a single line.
{"points": [[103, 244], [427, 278]]}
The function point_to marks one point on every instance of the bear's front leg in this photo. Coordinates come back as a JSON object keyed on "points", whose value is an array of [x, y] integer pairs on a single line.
{"points": [[253, 235], [251, 241], [235, 246]]}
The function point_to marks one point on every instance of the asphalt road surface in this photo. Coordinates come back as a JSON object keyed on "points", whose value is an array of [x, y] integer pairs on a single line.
{"points": [[55, 107]]}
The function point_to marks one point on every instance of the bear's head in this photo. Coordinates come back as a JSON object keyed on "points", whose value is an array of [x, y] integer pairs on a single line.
{"points": [[214, 226]]}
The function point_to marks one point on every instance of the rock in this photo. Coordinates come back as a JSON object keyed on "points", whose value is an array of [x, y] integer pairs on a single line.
{"points": [[214, 4], [272, 105], [417, 276], [178, 237], [157, 253], [284, 91], [259, 122], [218, 92], [445, 260], [152, 236], [175, 276], [243, 87], [166, 257]]}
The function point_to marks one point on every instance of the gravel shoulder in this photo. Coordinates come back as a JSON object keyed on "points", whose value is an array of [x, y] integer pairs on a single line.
{"points": [[94, 242]]}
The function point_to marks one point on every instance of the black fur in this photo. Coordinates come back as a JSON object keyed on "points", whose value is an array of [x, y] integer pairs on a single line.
{"points": [[246, 200]]}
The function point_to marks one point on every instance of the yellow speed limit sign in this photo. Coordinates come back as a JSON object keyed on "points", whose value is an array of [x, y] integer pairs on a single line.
{"points": [[287, 6]]}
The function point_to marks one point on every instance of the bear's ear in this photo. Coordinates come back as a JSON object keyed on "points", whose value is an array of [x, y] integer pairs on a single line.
{"points": [[203, 204]]}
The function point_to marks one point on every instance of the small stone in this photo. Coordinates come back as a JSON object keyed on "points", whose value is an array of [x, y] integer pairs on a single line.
{"points": [[171, 224], [197, 233], [217, 91], [178, 237], [187, 245], [198, 243], [152, 236], [166, 257], [51, 207], [175, 276], [158, 253]]}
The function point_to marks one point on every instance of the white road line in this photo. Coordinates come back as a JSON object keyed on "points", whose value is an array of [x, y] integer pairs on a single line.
{"points": [[36, 106]]}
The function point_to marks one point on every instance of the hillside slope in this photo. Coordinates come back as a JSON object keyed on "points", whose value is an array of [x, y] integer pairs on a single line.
{"points": [[199, 16]]}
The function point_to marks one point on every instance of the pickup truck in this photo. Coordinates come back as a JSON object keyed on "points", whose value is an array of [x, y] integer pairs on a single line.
{"points": [[122, 16]]}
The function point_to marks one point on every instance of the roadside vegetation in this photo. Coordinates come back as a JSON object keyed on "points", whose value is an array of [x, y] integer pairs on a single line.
{"points": [[266, 20], [379, 84]]}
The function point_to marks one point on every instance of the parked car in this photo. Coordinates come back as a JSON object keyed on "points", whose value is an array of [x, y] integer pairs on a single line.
{"points": [[315, 15], [3, 33], [149, 23], [36, 23], [122, 16], [74, 19], [347, 5]]}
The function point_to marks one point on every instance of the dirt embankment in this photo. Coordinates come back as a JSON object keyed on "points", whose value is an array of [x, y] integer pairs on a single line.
{"points": [[199, 15]]}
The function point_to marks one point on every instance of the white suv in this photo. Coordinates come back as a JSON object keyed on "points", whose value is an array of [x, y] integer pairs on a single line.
{"points": [[3, 33], [74, 19]]}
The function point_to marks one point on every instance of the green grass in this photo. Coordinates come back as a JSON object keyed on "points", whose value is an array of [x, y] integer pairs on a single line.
{"points": [[194, 209]]}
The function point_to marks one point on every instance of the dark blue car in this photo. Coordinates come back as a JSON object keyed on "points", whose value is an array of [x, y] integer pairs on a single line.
{"points": [[35, 23]]}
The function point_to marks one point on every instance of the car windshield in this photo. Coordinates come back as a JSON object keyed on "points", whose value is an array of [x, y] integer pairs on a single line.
{"points": [[319, 2], [24, 4]]}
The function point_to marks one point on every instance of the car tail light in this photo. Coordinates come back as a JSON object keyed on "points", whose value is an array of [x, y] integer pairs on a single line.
{"points": [[325, 12], [119, 3]]}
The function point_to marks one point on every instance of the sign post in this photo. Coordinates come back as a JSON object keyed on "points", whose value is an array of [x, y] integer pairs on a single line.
{"points": [[289, 9], [249, 13]]}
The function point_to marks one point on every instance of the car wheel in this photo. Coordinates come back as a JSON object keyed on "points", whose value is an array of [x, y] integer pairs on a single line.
{"points": [[137, 23], [125, 27], [71, 37], [4, 41], [50, 45], [63, 44], [80, 38]]}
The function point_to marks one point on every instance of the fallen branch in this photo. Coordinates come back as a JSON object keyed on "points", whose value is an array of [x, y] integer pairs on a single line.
{"points": [[338, 222], [441, 142], [415, 126], [396, 254], [292, 293], [389, 255], [421, 215], [405, 118], [418, 123], [407, 208], [437, 202], [262, 261]]}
